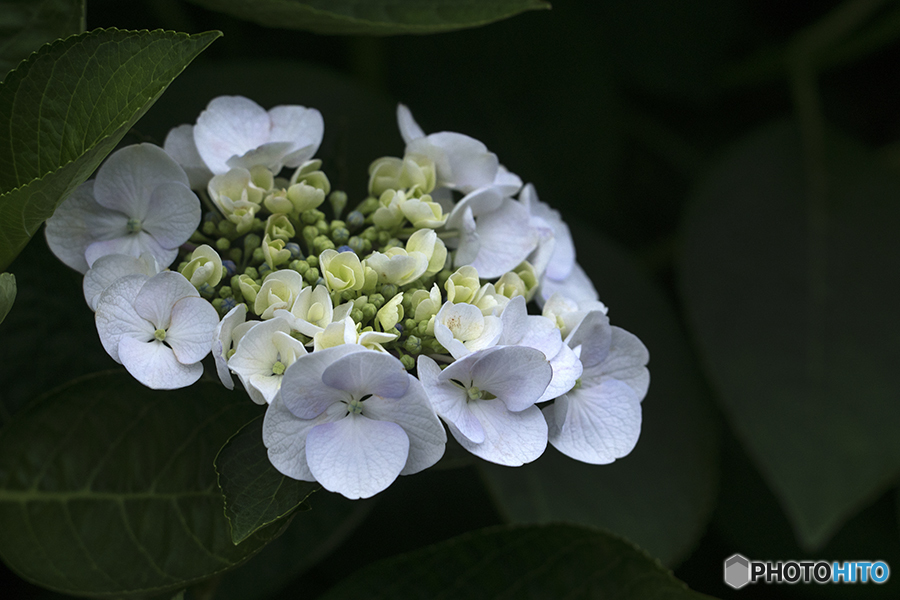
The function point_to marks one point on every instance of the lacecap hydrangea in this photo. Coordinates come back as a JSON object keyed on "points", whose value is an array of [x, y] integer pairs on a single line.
{"points": [[449, 296]]}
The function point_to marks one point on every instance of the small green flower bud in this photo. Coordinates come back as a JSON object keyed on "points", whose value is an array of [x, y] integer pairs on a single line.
{"points": [[313, 260], [209, 228], [368, 312], [408, 324], [311, 276], [408, 362], [338, 200], [368, 206], [340, 235], [251, 272], [377, 300], [225, 292], [252, 242], [310, 217], [227, 228], [355, 220], [197, 237], [301, 266], [413, 345], [370, 234], [322, 243], [388, 290], [235, 254], [383, 238], [356, 244], [323, 228], [223, 244], [259, 255], [356, 315], [217, 304]]}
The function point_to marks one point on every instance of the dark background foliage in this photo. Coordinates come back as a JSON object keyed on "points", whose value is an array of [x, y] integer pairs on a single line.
{"points": [[745, 232]]}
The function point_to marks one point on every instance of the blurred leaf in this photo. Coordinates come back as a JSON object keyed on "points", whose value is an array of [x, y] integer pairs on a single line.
{"points": [[372, 17], [107, 488], [49, 306], [661, 495], [543, 561], [676, 49], [92, 88], [7, 293], [797, 322], [308, 539], [256, 494], [26, 25]]}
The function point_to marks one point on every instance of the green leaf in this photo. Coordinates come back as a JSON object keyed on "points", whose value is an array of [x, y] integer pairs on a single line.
{"points": [[661, 495], [7, 293], [793, 304], [373, 17], [541, 561], [108, 489], [26, 25], [256, 494], [65, 108], [307, 540]]}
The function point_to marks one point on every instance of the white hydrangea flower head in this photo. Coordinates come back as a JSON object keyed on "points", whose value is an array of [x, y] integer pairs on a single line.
{"points": [[158, 328], [262, 357], [488, 401], [599, 420], [139, 203], [353, 420], [235, 131]]}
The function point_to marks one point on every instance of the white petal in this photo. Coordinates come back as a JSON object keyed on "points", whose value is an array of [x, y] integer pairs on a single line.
{"points": [[107, 269], [285, 437], [192, 330], [515, 374], [302, 389], [507, 183], [269, 155], [506, 238], [155, 365], [368, 372], [626, 361], [230, 126], [566, 371], [173, 214], [510, 438], [480, 202], [595, 424], [594, 335], [576, 286], [412, 412], [302, 127], [127, 179], [67, 232], [448, 399], [155, 300], [356, 456], [116, 318], [463, 163], [223, 341], [409, 129], [256, 353], [180, 145]]}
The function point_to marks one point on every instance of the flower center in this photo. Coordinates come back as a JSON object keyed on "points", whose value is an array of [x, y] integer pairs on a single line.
{"points": [[160, 334], [474, 393], [354, 407], [278, 368], [132, 226]]}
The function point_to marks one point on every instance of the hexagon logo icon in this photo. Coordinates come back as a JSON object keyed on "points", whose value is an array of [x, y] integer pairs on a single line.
{"points": [[737, 571]]}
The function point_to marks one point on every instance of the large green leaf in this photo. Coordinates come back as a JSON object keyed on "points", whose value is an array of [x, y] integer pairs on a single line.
{"points": [[539, 562], [108, 489], [256, 494], [379, 17], [7, 293], [661, 494], [308, 539], [25, 25], [65, 108], [793, 303]]}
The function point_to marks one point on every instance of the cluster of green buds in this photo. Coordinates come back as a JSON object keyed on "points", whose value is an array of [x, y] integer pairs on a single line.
{"points": [[383, 264]]}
